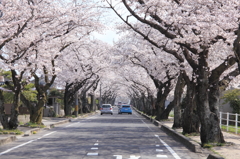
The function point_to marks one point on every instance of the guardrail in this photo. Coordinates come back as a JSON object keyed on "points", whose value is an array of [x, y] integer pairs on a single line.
{"points": [[230, 122]]}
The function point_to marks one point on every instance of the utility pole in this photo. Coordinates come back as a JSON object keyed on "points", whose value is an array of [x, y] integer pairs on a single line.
{"points": [[76, 104]]}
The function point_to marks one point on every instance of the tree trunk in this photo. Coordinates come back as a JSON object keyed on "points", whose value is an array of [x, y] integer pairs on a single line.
{"points": [[210, 129], [214, 97], [190, 121], [3, 116], [84, 103], [13, 122], [165, 113], [36, 111], [178, 92], [80, 111], [161, 98], [37, 114], [67, 104]]}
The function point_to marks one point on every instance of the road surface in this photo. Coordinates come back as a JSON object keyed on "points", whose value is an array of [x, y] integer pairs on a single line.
{"points": [[117, 136]]}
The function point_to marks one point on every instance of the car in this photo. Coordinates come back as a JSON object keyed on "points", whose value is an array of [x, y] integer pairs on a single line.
{"points": [[125, 108], [119, 106], [106, 109]]}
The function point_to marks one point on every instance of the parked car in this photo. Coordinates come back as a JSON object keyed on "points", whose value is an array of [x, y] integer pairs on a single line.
{"points": [[106, 109], [125, 109]]}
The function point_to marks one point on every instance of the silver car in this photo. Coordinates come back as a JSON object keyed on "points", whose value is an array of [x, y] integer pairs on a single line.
{"points": [[106, 109]]}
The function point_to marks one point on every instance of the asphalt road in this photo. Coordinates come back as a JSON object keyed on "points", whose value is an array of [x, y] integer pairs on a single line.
{"points": [[99, 137]]}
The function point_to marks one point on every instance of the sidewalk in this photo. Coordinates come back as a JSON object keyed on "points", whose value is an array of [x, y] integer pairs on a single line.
{"points": [[49, 122], [227, 152]]}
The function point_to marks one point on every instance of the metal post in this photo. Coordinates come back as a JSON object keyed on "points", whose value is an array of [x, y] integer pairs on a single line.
{"points": [[76, 104], [227, 120], [100, 100], [236, 123]]}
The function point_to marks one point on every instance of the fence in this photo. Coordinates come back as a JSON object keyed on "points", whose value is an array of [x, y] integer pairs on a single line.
{"points": [[230, 122]]}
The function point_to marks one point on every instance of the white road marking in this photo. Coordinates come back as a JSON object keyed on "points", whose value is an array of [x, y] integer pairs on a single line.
{"points": [[157, 145], [96, 144], [94, 148], [169, 148], [70, 125], [49, 133], [146, 125], [162, 156], [25, 143], [118, 156], [134, 157], [158, 150], [92, 154], [16, 147]]}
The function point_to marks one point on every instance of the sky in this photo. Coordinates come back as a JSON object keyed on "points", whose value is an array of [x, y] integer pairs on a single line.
{"points": [[109, 36]]}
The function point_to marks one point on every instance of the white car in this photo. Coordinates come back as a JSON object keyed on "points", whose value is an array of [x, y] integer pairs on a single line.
{"points": [[106, 109]]}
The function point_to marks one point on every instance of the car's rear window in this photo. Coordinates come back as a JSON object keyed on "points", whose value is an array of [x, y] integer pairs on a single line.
{"points": [[126, 106], [106, 106]]}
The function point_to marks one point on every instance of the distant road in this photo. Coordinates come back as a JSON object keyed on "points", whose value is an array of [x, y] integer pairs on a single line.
{"points": [[99, 137]]}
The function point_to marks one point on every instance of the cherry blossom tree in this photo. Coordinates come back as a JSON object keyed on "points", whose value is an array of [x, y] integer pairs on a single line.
{"points": [[83, 63], [37, 34], [162, 70], [200, 31]]}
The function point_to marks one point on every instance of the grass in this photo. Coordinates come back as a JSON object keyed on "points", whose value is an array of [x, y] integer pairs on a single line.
{"points": [[34, 125], [70, 116], [153, 117], [191, 134], [231, 129], [7, 131]]}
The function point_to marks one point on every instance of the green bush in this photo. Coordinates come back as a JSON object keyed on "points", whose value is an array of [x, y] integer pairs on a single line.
{"points": [[233, 98]]}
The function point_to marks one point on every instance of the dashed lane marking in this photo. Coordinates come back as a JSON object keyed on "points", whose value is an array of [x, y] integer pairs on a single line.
{"points": [[94, 148], [118, 156], [92, 154], [159, 150], [162, 156]]}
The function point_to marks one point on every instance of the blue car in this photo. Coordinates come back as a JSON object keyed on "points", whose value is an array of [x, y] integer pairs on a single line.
{"points": [[125, 109]]}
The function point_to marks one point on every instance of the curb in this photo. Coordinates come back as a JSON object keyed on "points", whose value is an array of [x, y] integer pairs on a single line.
{"points": [[8, 139], [187, 142], [30, 132], [213, 156]]}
